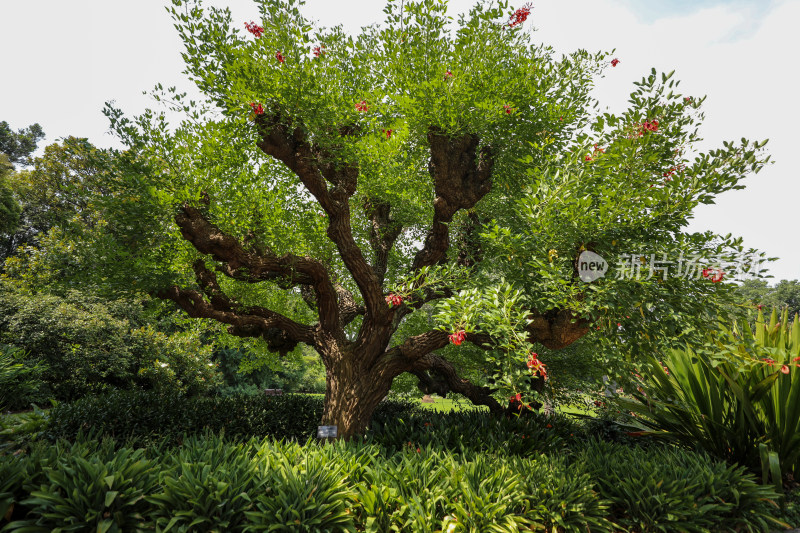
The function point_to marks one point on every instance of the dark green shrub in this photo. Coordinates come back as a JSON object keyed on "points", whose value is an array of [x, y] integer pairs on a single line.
{"points": [[85, 347], [561, 496], [669, 489], [142, 417], [20, 381]]}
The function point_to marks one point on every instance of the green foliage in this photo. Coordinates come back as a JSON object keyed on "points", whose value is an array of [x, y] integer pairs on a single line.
{"points": [[85, 346], [20, 145], [308, 495], [20, 382], [659, 490], [145, 416], [786, 293], [9, 207], [209, 483], [100, 490], [206, 484], [741, 390]]}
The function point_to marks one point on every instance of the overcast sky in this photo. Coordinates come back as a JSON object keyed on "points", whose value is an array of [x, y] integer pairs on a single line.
{"points": [[61, 60]]}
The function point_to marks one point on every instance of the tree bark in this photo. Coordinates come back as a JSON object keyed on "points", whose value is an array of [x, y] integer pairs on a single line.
{"points": [[352, 393]]}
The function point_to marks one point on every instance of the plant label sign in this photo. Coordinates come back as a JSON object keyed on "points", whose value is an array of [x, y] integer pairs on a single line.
{"points": [[327, 432], [591, 266]]}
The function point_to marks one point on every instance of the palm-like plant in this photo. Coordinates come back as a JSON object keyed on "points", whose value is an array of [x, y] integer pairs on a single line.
{"points": [[738, 397]]}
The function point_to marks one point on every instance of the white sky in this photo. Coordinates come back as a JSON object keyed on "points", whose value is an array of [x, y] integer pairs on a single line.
{"points": [[61, 60]]}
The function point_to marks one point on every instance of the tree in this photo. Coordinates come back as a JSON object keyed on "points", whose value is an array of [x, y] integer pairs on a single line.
{"points": [[20, 145], [385, 198], [9, 207], [60, 187], [786, 293]]}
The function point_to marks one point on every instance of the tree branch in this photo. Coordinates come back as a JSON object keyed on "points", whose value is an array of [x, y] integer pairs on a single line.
{"points": [[313, 166], [282, 333], [383, 233], [438, 375], [461, 178], [243, 265]]}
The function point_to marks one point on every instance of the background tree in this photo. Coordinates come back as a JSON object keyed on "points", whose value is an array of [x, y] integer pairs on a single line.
{"points": [[20, 145], [385, 197], [785, 293]]}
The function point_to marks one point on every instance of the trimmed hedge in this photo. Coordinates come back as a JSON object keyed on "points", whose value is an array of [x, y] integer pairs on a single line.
{"points": [[141, 417]]}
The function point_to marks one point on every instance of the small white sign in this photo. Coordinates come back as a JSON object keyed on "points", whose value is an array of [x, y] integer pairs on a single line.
{"points": [[591, 266], [327, 432]]}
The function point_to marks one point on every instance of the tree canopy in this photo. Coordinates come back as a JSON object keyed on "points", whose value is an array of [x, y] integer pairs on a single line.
{"points": [[386, 197]]}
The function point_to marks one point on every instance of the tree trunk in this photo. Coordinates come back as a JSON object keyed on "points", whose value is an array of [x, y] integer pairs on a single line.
{"points": [[351, 395]]}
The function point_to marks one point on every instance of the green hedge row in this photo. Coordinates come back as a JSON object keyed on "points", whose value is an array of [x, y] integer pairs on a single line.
{"points": [[139, 418], [212, 484]]}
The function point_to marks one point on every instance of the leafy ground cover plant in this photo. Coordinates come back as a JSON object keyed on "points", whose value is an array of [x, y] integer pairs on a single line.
{"points": [[211, 483]]}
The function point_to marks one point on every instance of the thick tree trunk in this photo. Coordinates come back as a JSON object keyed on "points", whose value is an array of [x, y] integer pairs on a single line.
{"points": [[351, 395]]}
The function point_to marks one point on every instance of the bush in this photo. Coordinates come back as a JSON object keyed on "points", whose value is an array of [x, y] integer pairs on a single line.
{"points": [[669, 489], [85, 348], [20, 383], [146, 416]]}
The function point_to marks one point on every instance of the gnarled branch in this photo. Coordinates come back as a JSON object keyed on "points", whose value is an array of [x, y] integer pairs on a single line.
{"points": [[244, 265], [461, 178]]}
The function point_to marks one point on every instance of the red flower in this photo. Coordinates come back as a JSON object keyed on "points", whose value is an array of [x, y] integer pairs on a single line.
{"points": [[362, 106], [769, 361], [706, 272], [318, 50], [279, 56], [254, 28], [614, 62], [417, 450], [587, 158], [717, 276], [394, 299], [760, 307], [536, 366], [257, 108], [457, 337], [516, 398], [687, 99], [548, 426], [785, 369], [796, 360], [448, 75], [388, 133], [507, 108], [520, 15]]}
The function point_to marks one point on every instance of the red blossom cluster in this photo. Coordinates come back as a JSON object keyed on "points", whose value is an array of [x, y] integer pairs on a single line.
{"points": [[388, 133], [714, 274], [687, 99], [520, 15], [457, 337], [536, 366], [318, 50], [279, 57], [254, 28], [614, 62], [362, 106], [448, 75], [507, 109], [258, 109], [394, 299], [648, 126]]}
